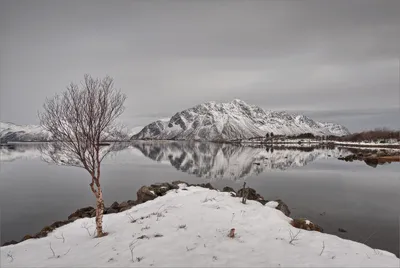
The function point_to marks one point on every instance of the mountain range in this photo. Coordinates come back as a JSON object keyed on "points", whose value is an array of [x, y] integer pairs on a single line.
{"points": [[209, 121], [10, 132], [213, 121]]}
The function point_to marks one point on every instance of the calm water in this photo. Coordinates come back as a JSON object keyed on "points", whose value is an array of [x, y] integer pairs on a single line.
{"points": [[358, 198]]}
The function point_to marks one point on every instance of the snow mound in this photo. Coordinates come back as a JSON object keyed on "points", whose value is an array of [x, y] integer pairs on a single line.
{"points": [[189, 227], [213, 121]]}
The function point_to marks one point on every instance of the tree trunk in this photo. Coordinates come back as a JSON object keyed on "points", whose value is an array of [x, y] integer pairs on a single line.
{"points": [[99, 212]]}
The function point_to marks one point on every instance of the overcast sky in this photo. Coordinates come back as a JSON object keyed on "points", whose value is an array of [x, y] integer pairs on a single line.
{"points": [[331, 60]]}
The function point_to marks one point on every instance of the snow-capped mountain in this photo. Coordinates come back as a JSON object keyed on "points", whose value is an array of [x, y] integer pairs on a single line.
{"points": [[213, 121], [12, 132], [32, 133], [225, 161]]}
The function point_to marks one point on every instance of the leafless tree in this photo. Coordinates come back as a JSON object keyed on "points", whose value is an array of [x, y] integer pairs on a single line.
{"points": [[80, 120]]}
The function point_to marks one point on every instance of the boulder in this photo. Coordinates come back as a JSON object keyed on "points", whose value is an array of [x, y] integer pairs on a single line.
{"points": [[110, 211], [372, 162], [12, 242], [306, 225], [125, 208], [251, 194], [114, 205], [60, 223], [145, 194], [44, 232], [132, 202], [228, 189], [283, 207], [204, 185], [26, 237], [82, 213], [123, 204], [161, 189], [179, 182]]}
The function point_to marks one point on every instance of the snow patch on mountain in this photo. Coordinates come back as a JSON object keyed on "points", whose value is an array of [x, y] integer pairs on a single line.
{"points": [[213, 121]]}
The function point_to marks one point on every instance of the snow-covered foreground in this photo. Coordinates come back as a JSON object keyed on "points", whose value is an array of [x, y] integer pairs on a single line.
{"points": [[191, 229]]}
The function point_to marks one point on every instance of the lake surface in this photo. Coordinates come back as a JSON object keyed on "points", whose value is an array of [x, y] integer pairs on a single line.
{"points": [[334, 194]]}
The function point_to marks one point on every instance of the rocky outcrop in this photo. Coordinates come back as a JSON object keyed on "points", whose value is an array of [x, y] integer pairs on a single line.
{"points": [[251, 194], [306, 225], [12, 242], [283, 207], [228, 189], [85, 212]]}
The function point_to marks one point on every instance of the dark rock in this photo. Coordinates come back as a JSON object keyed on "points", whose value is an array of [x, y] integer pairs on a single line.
{"points": [[132, 202], [228, 189], [123, 204], [145, 194], [342, 230], [251, 194], [82, 212], [263, 202], [306, 225], [43, 233], [12, 242], [125, 208], [204, 185], [114, 205], [372, 162], [178, 182], [161, 189], [283, 207], [110, 211], [60, 223], [26, 237], [93, 214]]}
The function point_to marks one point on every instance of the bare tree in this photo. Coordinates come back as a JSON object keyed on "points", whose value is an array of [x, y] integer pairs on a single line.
{"points": [[80, 120]]}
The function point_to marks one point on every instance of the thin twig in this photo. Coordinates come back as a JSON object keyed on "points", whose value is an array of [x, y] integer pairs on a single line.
{"points": [[62, 237], [54, 254], [67, 251], [131, 248], [369, 237], [323, 248], [293, 237]]}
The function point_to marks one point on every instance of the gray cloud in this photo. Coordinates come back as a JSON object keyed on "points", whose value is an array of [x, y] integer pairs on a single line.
{"points": [[313, 56]]}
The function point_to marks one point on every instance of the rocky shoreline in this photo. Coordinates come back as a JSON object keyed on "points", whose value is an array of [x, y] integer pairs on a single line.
{"points": [[147, 193], [373, 158]]}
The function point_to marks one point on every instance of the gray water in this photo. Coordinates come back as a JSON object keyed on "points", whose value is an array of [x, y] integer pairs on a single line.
{"points": [[334, 194]]}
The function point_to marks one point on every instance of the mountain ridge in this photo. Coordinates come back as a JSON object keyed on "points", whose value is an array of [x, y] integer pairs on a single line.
{"points": [[212, 121]]}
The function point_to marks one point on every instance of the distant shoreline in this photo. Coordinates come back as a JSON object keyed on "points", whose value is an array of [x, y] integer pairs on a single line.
{"points": [[297, 143]]}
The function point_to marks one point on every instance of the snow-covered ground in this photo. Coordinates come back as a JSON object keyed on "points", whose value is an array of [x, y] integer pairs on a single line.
{"points": [[192, 229]]}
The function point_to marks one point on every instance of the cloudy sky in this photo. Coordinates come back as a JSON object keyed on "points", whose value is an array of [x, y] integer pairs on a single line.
{"points": [[331, 60]]}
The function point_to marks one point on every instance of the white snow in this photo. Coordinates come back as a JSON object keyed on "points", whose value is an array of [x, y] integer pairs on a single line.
{"points": [[193, 230], [272, 204]]}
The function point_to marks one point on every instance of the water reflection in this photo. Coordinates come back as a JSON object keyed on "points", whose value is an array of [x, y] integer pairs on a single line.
{"points": [[226, 161]]}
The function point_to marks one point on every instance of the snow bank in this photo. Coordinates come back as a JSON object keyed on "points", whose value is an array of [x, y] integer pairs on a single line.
{"points": [[189, 227]]}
